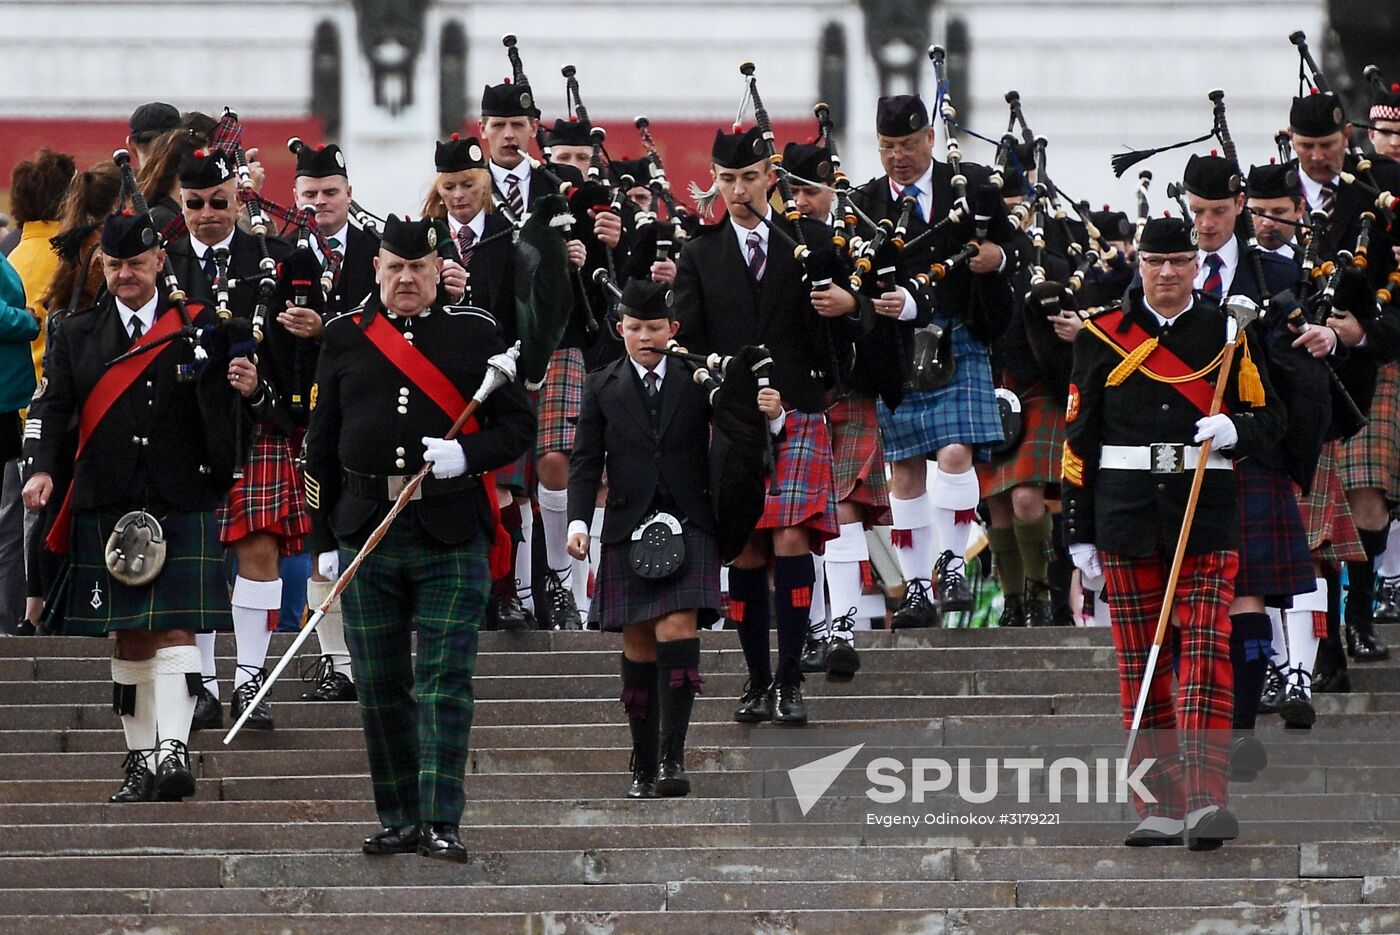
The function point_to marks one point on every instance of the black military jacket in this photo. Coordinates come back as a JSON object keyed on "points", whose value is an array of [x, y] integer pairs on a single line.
{"points": [[1135, 512], [368, 417], [356, 280], [491, 274]]}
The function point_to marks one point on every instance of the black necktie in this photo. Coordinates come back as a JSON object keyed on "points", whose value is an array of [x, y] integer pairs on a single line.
{"points": [[211, 269], [136, 329], [653, 384]]}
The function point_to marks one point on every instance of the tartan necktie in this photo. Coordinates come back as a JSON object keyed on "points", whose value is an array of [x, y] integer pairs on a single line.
{"points": [[334, 244], [517, 201], [1214, 284], [1327, 200], [756, 255], [465, 238], [914, 191], [211, 269]]}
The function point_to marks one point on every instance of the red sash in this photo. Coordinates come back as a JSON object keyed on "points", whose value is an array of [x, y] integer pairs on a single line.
{"points": [[1162, 361], [116, 381], [425, 375]]}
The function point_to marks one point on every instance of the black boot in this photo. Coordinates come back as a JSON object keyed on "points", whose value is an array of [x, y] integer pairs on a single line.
{"points": [[1387, 601], [1362, 643], [640, 699], [139, 785], [1013, 611], [1038, 609], [678, 682], [954, 593]]}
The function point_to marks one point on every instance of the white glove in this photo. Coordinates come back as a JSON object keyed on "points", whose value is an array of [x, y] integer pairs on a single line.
{"points": [[328, 565], [447, 457], [1219, 429], [1086, 558]]}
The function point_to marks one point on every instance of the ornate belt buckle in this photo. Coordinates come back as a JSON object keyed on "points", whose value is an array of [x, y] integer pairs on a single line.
{"points": [[397, 482], [1167, 458]]}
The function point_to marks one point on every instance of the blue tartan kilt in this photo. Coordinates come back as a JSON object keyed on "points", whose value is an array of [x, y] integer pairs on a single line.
{"points": [[622, 597], [1275, 563], [964, 412]]}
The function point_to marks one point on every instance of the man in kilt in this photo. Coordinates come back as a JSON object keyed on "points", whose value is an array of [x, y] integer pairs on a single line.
{"points": [[1139, 401], [264, 517], [738, 285], [647, 422], [391, 380], [154, 449], [858, 466], [958, 423]]}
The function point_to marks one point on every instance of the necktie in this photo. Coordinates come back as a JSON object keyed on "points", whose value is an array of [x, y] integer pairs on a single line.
{"points": [[136, 329], [756, 255], [913, 191], [465, 238], [211, 269], [1328, 199], [517, 202], [653, 384], [1213, 285], [334, 244]]}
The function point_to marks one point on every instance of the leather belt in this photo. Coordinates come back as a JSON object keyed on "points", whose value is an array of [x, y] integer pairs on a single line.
{"points": [[389, 486], [1161, 458]]}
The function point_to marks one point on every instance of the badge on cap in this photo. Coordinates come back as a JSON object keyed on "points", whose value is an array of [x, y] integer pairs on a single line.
{"points": [[1193, 235], [1337, 115], [475, 153], [526, 100], [148, 237], [670, 297], [1234, 183], [339, 159], [219, 166], [914, 121], [823, 168], [432, 238]]}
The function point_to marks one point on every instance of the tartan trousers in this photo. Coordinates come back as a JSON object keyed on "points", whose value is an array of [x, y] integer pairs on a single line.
{"points": [[417, 723], [1191, 768]]}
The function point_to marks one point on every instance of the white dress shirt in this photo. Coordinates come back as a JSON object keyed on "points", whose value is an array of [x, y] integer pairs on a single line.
{"points": [[341, 236], [499, 174], [1229, 255], [146, 313], [925, 199]]}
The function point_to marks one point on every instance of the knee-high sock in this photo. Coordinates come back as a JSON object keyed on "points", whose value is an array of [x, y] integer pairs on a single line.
{"points": [[252, 600], [1388, 562], [1249, 657], [1279, 641], [749, 599], [331, 630], [205, 642], [524, 559], [818, 619], [954, 499], [176, 687], [844, 556], [1006, 553], [1301, 622], [554, 514], [133, 698], [677, 683], [640, 700], [913, 536], [1361, 576], [1331, 653], [793, 577], [1033, 541]]}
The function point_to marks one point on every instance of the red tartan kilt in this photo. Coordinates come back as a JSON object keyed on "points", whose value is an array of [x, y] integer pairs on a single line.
{"points": [[1035, 461], [560, 399], [1331, 532], [858, 463], [806, 495], [1372, 457], [270, 496]]}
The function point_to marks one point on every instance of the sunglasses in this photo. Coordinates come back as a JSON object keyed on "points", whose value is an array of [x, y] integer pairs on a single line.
{"points": [[197, 204]]}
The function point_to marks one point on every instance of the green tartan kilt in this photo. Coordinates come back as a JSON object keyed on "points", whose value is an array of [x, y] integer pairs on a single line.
{"points": [[190, 593]]}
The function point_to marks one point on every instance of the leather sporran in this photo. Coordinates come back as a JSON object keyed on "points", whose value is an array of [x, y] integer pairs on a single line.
{"points": [[136, 549], [1013, 423], [933, 358], [658, 548]]}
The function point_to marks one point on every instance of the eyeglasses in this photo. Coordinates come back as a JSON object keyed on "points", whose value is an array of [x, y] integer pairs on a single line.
{"points": [[197, 204], [1154, 261]]}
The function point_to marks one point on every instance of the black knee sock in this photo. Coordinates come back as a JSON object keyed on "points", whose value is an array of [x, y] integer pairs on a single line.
{"points": [[1361, 577], [1250, 637], [677, 683], [1330, 655], [749, 598], [640, 699], [793, 578]]}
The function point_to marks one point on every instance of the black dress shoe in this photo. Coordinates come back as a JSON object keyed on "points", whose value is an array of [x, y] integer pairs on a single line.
{"points": [[139, 785], [331, 684], [1297, 709], [1363, 644], [400, 840], [561, 613], [755, 704], [1332, 681], [1387, 601], [643, 775], [1248, 758], [440, 841], [208, 713], [1274, 685], [512, 616], [1213, 830], [1038, 608], [954, 593], [916, 611], [672, 780], [789, 708], [814, 652], [842, 661], [261, 718], [1156, 832], [1013, 611], [21, 627], [174, 777]]}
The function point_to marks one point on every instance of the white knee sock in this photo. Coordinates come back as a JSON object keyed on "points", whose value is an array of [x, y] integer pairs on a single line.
{"points": [[205, 642], [174, 702], [843, 557], [140, 725], [1388, 564], [1302, 644], [1278, 642], [524, 559], [953, 494], [251, 602], [871, 612], [817, 617], [554, 514], [913, 536], [331, 630]]}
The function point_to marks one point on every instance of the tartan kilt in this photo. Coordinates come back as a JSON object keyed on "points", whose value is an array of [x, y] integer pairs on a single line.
{"points": [[1372, 457], [622, 597], [559, 401], [1327, 521], [1035, 461], [270, 496], [805, 495], [858, 464], [1275, 562], [190, 593], [964, 412]]}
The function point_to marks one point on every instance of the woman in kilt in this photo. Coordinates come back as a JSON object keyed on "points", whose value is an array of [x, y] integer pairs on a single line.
{"points": [[647, 424], [153, 447]]}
